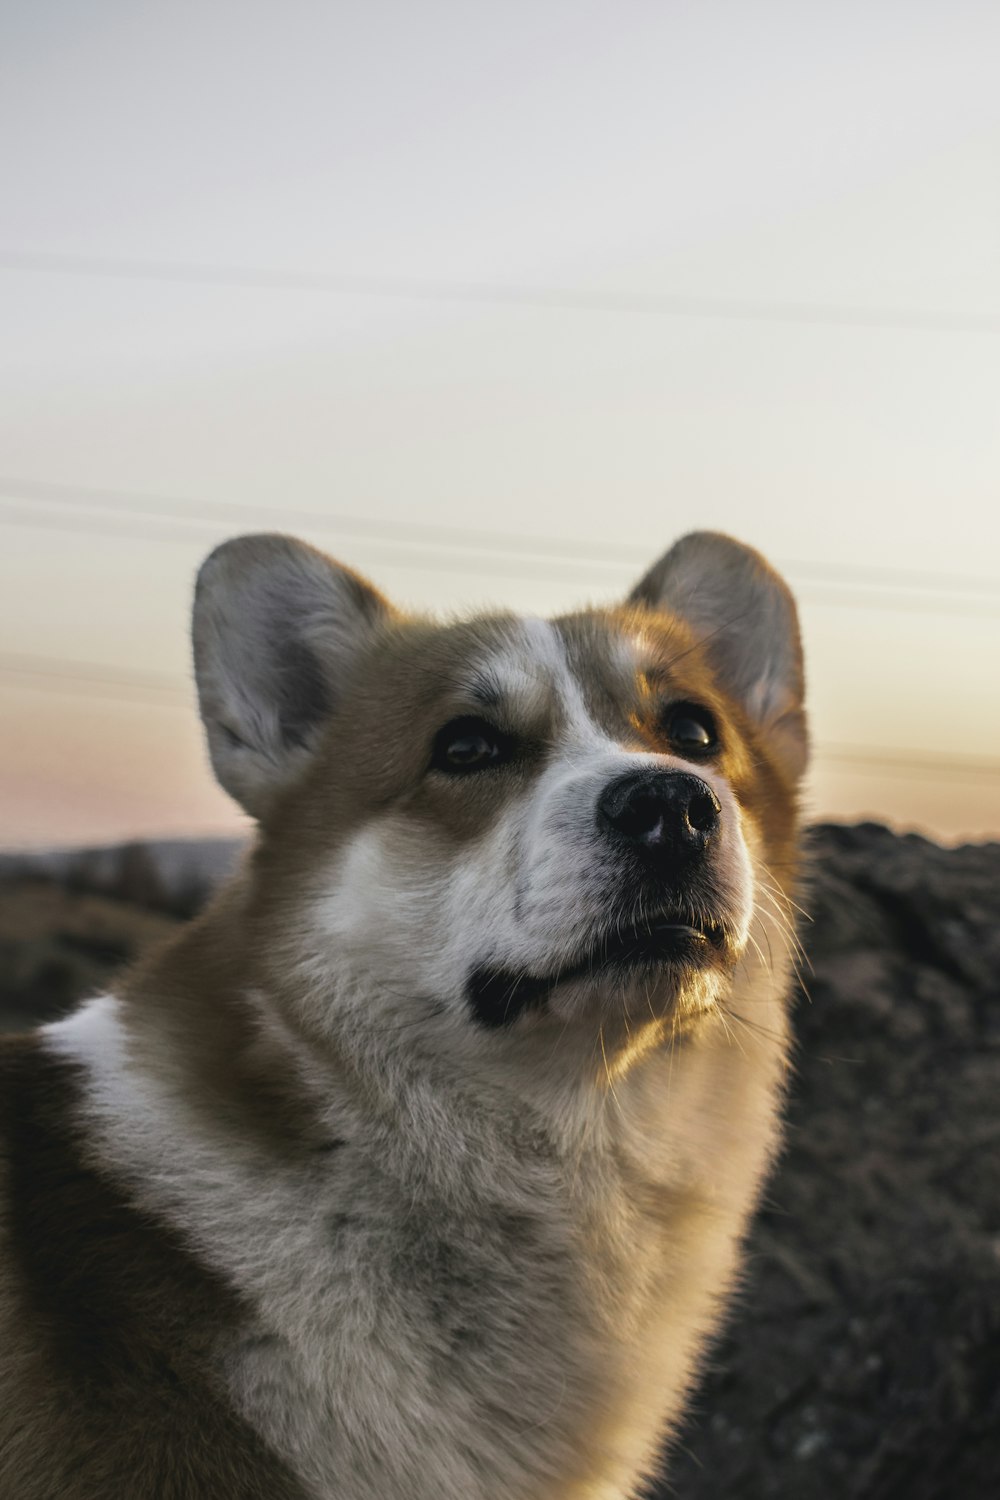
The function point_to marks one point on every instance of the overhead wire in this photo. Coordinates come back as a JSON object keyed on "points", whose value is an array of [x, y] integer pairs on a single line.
{"points": [[426, 546], [54, 674], [496, 294]]}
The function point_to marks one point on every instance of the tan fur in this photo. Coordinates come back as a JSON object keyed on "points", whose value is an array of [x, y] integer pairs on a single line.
{"points": [[281, 1218]]}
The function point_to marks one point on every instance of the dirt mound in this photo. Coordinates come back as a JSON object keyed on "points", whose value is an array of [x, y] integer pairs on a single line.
{"points": [[58, 944], [864, 1358]]}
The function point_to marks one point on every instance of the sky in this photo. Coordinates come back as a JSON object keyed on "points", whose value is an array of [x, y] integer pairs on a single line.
{"points": [[493, 303]]}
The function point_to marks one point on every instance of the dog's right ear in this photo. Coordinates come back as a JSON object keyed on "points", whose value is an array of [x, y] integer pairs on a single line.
{"points": [[744, 613], [276, 626]]}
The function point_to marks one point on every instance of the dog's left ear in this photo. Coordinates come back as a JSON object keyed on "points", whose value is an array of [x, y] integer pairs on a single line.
{"points": [[277, 627], [744, 614]]}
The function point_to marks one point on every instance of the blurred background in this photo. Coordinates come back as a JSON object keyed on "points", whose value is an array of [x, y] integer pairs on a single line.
{"points": [[493, 302]]}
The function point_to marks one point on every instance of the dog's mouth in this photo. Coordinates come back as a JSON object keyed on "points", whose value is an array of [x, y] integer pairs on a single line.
{"points": [[498, 996]]}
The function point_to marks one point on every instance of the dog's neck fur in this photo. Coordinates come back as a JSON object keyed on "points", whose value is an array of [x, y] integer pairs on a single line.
{"points": [[620, 1198]]}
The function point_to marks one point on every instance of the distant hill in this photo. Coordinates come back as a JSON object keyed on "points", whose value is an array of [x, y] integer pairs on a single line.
{"points": [[172, 875], [59, 945]]}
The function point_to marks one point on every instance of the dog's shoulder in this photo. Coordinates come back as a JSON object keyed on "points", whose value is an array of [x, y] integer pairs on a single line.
{"points": [[106, 1321]]}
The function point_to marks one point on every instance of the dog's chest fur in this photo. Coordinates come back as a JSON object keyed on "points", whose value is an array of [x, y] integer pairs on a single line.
{"points": [[527, 1311]]}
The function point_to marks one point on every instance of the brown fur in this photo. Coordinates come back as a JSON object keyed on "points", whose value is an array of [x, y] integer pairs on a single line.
{"points": [[111, 1393]]}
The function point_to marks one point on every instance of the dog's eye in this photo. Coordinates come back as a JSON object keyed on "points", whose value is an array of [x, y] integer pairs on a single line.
{"points": [[691, 729], [469, 745]]}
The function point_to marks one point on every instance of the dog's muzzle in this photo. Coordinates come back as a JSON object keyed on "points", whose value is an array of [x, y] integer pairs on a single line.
{"points": [[662, 825]]}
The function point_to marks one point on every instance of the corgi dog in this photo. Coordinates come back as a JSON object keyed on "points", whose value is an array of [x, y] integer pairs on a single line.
{"points": [[418, 1166]]}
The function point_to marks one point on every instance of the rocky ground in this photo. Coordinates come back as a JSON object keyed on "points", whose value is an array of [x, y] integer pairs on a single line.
{"points": [[57, 945], [863, 1360]]}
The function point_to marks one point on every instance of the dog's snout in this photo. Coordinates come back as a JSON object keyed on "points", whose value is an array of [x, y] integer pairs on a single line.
{"points": [[662, 813]]}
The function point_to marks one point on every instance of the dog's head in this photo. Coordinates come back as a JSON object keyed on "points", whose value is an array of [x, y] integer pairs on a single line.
{"points": [[507, 820]]}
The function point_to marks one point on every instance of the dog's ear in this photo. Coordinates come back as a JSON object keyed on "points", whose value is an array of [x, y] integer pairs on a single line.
{"points": [[276, 626], [744, 613]]}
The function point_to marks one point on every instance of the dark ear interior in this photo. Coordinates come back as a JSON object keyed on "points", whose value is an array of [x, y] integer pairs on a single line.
{"points": [[276, 626], [745, 614]]}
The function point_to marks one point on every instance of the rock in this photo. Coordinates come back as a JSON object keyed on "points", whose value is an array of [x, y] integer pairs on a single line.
{"points": [[58, 945], [863, 1359]]}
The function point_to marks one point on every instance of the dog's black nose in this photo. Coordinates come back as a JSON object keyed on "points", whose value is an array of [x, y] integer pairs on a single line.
{"points": [[664, 814]]}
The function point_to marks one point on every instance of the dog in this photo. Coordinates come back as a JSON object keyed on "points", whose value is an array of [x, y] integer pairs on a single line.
{"points": [[419, 1164]]}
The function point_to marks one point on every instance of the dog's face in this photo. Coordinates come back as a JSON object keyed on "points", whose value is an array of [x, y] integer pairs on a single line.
{"points": [[510, 820], [522, 815]]}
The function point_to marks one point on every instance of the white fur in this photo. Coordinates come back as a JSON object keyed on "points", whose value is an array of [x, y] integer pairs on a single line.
{"points": [[85, 1035], [594, 1321]]}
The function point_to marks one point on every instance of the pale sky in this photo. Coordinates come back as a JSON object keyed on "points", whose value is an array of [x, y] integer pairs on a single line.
{"points": [[494, 302]]}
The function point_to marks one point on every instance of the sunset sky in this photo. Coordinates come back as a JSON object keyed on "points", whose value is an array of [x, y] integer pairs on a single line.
{"points": [[494, 302]]}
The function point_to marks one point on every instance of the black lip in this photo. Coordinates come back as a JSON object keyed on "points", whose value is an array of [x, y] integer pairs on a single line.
{"points": [[498, 996]]}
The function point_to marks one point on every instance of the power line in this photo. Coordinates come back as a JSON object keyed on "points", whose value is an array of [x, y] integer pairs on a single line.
{"points": [[903, 760], [497, 294], [424, 533], [480, 563], [167, 518], [610, 575], [56, 674], [184, 532]]}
